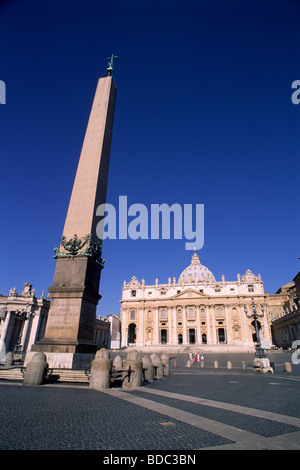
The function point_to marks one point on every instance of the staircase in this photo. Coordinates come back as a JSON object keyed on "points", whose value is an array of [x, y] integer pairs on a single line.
{"points": [[68, 375], [12, 374], [54, 375]]}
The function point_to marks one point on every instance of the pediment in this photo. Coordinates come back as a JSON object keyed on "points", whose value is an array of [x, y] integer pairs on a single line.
{"points": [[190, 294]]}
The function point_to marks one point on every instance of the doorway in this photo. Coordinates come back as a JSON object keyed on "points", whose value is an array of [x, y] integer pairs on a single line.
{"points": [[163, 336], [192, 336], [131, 333], [221, 335]]}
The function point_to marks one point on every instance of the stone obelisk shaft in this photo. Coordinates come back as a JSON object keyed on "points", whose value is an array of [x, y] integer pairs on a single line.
{"points": [[90, 185]]}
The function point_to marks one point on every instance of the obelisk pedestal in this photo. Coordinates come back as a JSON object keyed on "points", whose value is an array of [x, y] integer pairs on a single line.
{"points": [[69, 336]]}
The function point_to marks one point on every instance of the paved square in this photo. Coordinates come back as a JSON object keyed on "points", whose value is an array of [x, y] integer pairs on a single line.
{"points": [[191, 409]]}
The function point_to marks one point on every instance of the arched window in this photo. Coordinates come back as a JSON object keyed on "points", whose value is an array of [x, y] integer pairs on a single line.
{"points": [[163, 314], [179, 314], [132, 315], [191, 312], [219, 312], [202, 313]]}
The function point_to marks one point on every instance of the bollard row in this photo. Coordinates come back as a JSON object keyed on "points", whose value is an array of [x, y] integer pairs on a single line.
{"points": [[132, 371], [190, 362]]}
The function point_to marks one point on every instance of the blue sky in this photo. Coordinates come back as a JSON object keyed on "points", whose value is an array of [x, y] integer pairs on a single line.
{"points": [[203, 116]]}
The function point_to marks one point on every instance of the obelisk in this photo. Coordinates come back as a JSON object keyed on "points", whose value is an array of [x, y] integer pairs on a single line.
{"points": [[69, 335]]}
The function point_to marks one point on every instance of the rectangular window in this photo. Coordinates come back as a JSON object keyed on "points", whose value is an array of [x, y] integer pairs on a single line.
{"points": [[250, 288], [133, 293]]}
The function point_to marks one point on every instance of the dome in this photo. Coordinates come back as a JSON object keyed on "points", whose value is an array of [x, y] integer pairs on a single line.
{"points": [[196, 272]]}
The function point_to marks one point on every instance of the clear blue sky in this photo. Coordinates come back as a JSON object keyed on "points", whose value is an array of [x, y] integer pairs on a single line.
{"points": [[203, 116]]}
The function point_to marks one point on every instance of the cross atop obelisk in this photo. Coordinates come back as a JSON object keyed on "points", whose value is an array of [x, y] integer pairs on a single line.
{"points": [[75, 288], [110, 65]]}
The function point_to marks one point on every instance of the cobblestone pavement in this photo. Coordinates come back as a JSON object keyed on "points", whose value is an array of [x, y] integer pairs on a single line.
{"points": [[191, 409]]}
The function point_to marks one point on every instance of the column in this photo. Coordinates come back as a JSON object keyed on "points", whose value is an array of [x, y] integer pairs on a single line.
{"points": [[228, 327], [198, 323], [124, 327], [36, 327], [246, 328], [5, 328], [155, 336], [175, 340], [25, 332], [169, 326], [208, 325], [184, 339], [141, 324], [213, 319]]}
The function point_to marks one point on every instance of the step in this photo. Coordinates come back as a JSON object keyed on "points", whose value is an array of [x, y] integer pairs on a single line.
{"points": [[55, 375], [11, 374], [68, 375]]}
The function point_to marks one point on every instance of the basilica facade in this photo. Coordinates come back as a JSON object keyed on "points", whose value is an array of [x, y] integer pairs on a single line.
{"points": [[196, 311]]}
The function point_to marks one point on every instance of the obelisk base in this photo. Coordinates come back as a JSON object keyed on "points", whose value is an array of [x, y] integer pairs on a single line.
{"points": [[69, 338]]}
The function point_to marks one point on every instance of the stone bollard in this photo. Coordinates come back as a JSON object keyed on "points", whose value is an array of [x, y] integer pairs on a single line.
{"points": [[262, 365], [118, 363], [166, 363], [9, 359], [188, 363], [229, 365], [158, 366], [149, 369], [133, 365], [175, 364], [101, 370], [243, 365], [216, 364], [36, 370], [288, 367]]}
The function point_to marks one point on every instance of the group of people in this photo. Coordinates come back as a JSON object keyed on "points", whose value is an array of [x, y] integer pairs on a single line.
{"points": [[197, 357]]}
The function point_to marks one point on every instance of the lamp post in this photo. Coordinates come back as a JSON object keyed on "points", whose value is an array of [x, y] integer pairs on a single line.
{"points": [[259, 352]]}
